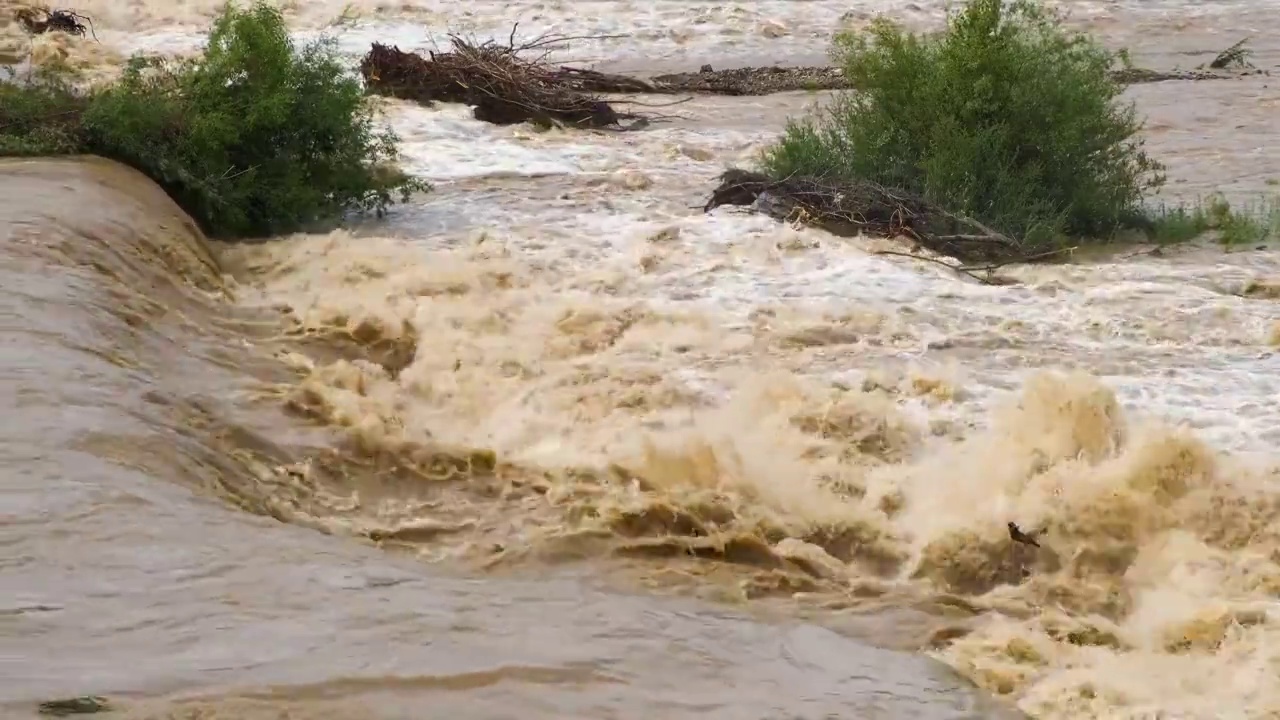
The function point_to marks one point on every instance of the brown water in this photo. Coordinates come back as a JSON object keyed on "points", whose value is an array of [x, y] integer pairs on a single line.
{"points": [[131, 418], [551, 385]]}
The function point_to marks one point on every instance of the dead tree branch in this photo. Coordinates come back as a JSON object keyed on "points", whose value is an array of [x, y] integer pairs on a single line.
{"points": [[64, 21], [864, 208], [502, 86]]}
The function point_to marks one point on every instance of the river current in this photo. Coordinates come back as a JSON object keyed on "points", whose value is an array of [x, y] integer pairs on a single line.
{"points": [[552, 443]]}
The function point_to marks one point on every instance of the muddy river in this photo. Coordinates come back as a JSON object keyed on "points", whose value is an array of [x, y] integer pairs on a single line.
{"points": [[552, 443]]}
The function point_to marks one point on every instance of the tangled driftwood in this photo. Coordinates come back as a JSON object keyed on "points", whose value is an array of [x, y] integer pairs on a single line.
{"points": [[752, 80], [864, 208], [40, 20], [775, 79], [504, 87]]}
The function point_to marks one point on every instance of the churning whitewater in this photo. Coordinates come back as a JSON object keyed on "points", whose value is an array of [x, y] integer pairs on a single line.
{"points": [[556, 366]]}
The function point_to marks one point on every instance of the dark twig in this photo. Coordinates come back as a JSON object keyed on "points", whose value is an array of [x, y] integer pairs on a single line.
{"points": [[545, 40], [972, 270], [954, 268]]}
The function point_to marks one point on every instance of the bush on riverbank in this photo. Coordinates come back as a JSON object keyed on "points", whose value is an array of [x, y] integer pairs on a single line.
{"points": [[256, 137], [1007, 117]]}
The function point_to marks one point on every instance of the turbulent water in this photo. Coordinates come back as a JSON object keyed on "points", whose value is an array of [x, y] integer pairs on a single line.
{"points": [[578, 450]]}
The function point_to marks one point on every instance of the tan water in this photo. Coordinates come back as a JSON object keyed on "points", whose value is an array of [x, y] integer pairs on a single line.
{"points": [[551, 384]]}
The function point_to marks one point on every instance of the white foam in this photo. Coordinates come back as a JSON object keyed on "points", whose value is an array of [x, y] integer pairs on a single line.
{"points": [[1160, 332], [650, 30], [446, 143]]}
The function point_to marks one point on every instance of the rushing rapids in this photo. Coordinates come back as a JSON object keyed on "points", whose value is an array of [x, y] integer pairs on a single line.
{"points": [[552, 383]]}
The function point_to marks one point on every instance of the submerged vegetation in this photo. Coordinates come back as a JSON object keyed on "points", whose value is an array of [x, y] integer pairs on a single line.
{"points": [[1007, 118], [1253, 223], [255, 137]]}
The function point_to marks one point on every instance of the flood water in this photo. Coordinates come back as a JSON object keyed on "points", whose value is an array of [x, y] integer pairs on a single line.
{"points": [[552, 443]]}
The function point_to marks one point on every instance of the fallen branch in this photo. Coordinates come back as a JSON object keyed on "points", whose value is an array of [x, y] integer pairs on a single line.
{"points": [[502, 87], [752, 80], [1034, 257], [769, 80], [1235, 56], [591, 81], [66, 21], [971, 271], [515, 83], [958, 269], [1137, 76], [864, 208]]}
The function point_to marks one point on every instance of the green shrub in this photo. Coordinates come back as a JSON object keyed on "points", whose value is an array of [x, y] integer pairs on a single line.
{"points": [[1179, 224], [1007, 117], [254, 138], [40, 116], [1254, 223]]}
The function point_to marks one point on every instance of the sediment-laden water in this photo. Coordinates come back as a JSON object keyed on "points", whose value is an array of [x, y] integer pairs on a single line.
{"points": [[582, 451]]}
